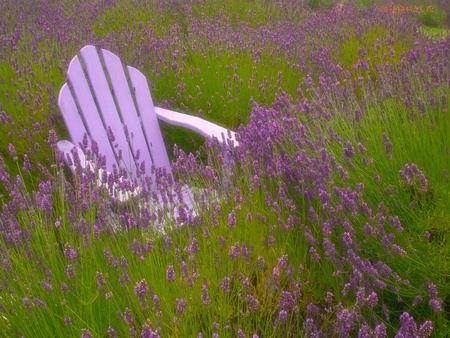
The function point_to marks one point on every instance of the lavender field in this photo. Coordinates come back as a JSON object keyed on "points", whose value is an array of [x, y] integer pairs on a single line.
{"points": [[330, 219]]}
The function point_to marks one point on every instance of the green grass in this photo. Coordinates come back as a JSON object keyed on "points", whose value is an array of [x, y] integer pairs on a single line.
{"points": [[223, 78]]}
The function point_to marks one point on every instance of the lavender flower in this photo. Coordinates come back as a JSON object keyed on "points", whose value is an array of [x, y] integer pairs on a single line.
{"points": [[128, 318], [170, 274], [111, 332], [181, 306], [387, 144], [67, 321], [39, 303], [231, 220], [100, 280], [380, 331], [85, 333], [226, 285], [314, 255], [286, 300], [26, 303], [253, 303], [234, 251], [349, 150], [426, 329], [372, 300], [69, 271], [436, 304], [47, 287], [140, 290], [205, 296], [282, 316]]}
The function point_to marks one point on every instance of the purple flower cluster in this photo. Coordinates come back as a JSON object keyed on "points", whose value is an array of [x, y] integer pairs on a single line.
{"points": [[293, 194]]}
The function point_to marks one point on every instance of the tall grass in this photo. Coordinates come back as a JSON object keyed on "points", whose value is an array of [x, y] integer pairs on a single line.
{"points": [[329, 219]]}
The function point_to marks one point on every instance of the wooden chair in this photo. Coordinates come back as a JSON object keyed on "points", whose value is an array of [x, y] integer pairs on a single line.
{"points": [[104, 99]]}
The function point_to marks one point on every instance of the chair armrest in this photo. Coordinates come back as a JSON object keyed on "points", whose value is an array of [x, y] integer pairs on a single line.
{"points": [[200, 126]]}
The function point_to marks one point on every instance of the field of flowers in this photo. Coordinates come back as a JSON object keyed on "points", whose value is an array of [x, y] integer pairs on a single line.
{"points": [[331, 218]]}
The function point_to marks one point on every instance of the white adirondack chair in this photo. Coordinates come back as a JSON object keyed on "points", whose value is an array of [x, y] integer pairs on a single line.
{"points": [[106, 97]]}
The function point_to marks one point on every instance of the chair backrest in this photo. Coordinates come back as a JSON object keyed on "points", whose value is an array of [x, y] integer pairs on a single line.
{"points": [[105, 98]]}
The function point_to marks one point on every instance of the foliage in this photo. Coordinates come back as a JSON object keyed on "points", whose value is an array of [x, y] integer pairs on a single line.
{"points": [[329, 219]]}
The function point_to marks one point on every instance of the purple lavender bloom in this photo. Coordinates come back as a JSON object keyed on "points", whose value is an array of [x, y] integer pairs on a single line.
{"points": [[417, 300], [362, 150], [329, 297], [64, 287], [282, 261], [234, 251], [226, 285], [39, 303], [170, 274], [69, 271], [432, 291], [387, 144], [12, 152], [408, 326], [156, 302], [26, 303], [436, 304], [314, 255], [47, 287], [346, 320], [128, 318], [398, 250], [232, 220], [181, 306], [421, 106], [205, 295], [100, 280], [282, 316], [347, 237], [426, 329], [85, 333], [372, 300], [286, 300], [184, 269], [380, 331], [124, 279], [111, 332], [193, 247], [140, 290], [147, 332], [168, 241], [260, 263], [253, 303], [349, 150], [241, 334], [312, 308], [68, 321], [308, 325], [358, 115]]}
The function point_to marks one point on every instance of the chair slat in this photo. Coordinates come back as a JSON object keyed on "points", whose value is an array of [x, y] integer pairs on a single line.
{"points": [[106, 104], [127, 108], [149, 119], [70, 114], [92, 120]]}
